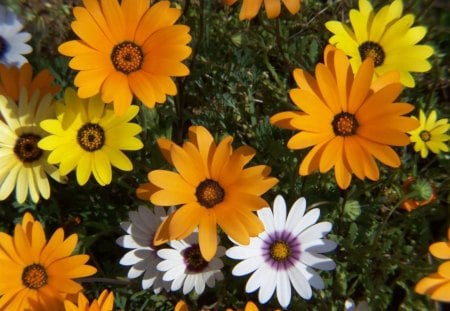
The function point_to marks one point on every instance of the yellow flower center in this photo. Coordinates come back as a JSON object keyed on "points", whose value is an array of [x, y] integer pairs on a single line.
{"points": [[34, 276], [209, 193], [91, 137], [280, 251], [26, 148], [372, 50], [425, 135], [344, 124], [127, 57], [194, 259]]}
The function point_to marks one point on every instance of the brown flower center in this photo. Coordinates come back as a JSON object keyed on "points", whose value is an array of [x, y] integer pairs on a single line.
{"points": [[280, 251], [345, 124], [26, 148], [209, 193], [91, 137], [372, 50], [127, 57], [194, 259], [425, 136], [34, 276]]}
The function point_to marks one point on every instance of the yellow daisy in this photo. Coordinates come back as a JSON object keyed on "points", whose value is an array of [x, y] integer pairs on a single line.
{"points": [[430, 135], [88, 136], [13, 79], [128, 48], [38, 275], [23, 165], [250, 8], [385, 36], [349, 119], [213, 188], [105, 302]]}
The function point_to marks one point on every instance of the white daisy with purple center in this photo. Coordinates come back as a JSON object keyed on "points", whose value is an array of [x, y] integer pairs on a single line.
{"points": [[142, 257], [184, 266], [12, 40], [286, 253]]}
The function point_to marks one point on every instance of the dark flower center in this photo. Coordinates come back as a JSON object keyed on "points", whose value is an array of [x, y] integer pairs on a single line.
{"points": [[280, 251], [34, 276], [194, 259], [345, 124], [209, 193], [91, 137], [425, 135], [372, 50], [3, 46], [127, 57], [26, 148]]}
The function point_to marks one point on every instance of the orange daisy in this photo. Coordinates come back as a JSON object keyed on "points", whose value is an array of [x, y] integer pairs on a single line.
{"points": [[213, 188], [250, 8], [128, 48], [349, 120], [105, 302], [36, 274]]}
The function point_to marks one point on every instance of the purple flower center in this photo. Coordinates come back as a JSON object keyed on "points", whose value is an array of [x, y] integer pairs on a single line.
{"points": [[194, 259], [281, 250], [3, 47]]}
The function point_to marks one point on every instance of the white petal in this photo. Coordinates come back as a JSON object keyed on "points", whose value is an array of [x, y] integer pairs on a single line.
{"points": [[242, 252], [316, 231], [317, 261], [168, 253], [318, 246], [134, 256], [314, 278], [125, 225], [189, 283], [283, 289], [247, 266], [279, 213], [349, 305], [178, 282], [266, 216], [299, 282], [215, 264], [168, 264], [295, 215], [127, 241], [199, 284], [268, 286], [306, 221], [173, 273], [257, 279]]}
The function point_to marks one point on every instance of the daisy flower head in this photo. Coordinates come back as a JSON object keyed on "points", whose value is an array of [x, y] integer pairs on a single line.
{"points": [[385, 36], [431, 135], [88, 136], [437, 284], [128, 48], [105, 302], [250, 8], [38, 274], [184, 266], [13, 79], [142, 257], [213, 188], [286, 253], [349, 119], [23, 164], [12, 40]]}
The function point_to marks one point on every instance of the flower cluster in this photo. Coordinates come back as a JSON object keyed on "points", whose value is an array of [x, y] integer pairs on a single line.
{"points": [[206, 218]]}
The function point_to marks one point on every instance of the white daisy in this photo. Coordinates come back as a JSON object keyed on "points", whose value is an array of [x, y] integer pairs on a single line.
{"points": [[184, 266], [285, 253], [12, 41], [143, 258]]}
